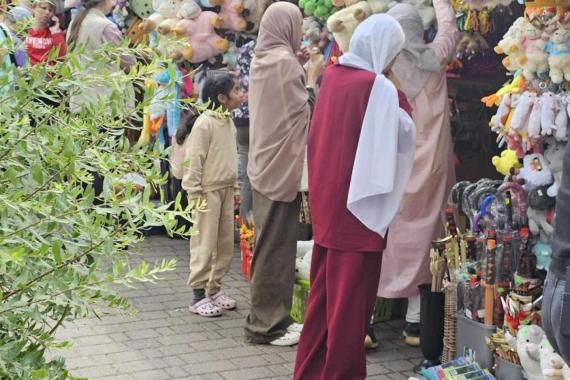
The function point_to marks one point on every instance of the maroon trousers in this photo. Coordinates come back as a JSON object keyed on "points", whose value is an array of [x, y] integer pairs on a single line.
{"points": [[343, 292]]}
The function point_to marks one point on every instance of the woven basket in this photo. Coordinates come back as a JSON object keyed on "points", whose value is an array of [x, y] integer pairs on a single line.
{"points": [[450, 323]]}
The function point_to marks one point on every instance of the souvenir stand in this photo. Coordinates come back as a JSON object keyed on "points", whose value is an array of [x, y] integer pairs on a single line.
{"points": [[497, 245]]}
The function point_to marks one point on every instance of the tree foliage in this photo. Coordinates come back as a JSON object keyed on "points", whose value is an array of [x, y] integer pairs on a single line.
{"points": [[61, 246]]}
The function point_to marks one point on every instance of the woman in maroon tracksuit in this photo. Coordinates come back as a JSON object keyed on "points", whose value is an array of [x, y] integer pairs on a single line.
{"points": [[360, 152]]}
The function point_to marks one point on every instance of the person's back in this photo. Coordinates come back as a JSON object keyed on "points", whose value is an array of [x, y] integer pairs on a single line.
{"points": [[334, 133]]}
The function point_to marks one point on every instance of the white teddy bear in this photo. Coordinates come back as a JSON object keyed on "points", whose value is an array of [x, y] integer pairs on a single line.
{"points": [[559, 55], [551, 363]]}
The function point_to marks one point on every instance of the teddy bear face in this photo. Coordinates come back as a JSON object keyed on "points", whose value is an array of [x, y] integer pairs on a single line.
{"points": [[531, 32], [560, 36]]}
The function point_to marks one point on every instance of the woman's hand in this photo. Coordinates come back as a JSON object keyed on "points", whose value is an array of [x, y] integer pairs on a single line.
{"points": [[303, 56], [315, 68]]}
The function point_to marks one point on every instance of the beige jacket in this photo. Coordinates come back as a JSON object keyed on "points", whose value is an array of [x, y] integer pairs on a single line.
{"points": [[210, 158]]}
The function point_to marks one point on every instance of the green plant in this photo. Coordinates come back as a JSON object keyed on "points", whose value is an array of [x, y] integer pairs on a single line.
{"points": [[61, 244]]}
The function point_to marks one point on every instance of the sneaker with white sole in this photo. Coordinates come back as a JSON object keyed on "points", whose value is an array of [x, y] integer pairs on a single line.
{"points": [[295, 327], [287, 340]]}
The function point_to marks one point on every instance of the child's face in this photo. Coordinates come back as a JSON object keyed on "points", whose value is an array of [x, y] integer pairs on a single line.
{"points": [[234, 99], [43, 13]]}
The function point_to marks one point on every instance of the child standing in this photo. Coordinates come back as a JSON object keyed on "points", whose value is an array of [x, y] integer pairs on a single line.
{"points": [[209, 173]]}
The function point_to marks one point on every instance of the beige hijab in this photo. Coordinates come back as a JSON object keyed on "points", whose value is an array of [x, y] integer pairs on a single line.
{"points": [[278, 105]]}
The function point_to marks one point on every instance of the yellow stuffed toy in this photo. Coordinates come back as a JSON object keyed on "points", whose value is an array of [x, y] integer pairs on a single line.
{"points": [[506, 161]]}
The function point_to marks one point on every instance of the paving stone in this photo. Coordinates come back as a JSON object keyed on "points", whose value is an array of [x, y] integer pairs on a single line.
{"points": [[165, 341]]}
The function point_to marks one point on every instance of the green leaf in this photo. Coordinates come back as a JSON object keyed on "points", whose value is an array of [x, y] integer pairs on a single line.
{"points": [[56, 250]]}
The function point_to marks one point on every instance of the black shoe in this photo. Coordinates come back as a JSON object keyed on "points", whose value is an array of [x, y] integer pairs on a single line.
{"points": [[371, 342], [412, 334], [425, 364]]}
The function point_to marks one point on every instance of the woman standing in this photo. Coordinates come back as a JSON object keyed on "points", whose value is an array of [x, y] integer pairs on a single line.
{"points": [[91, 29], [421, 70], [280, 93], [360, 152]]}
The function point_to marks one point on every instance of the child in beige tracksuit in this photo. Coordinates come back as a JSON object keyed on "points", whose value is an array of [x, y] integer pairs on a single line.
{"points": [[210, 172]]}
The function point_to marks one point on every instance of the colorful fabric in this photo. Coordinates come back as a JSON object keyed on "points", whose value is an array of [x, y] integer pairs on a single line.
{"points": [[244, 59]]}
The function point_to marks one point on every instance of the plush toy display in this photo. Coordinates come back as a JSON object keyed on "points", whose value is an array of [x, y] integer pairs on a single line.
{"points": [[543, 253], [528, 349], [551, 363], [507, 161], [510, 44], [548, 113], [561, 121], [303, 263], [203, 43], [230, 13]]}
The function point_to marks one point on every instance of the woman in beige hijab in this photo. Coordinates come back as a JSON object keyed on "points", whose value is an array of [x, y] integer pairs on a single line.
{"points": [[280, 97]]}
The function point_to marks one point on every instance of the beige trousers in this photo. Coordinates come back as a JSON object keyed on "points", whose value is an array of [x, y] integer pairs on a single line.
{"points": [[211, 249]]}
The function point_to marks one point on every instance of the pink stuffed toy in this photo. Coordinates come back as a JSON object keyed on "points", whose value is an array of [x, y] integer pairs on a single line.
{"points": [[203, 41], [534, 59], [549, 110], [514, 142], [230, 12]]}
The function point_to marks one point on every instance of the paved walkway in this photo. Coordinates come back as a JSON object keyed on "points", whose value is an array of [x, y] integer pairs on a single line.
{"points": [[165, 341]]}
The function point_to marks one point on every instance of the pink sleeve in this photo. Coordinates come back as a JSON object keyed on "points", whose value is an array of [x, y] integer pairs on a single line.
{"points": [[447, 34]]}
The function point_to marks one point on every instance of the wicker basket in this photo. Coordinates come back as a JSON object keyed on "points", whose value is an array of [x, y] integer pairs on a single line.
{"points": [[450, 323]]}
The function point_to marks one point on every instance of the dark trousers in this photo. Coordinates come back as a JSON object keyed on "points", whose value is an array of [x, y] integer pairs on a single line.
{"points": [[272, 268], [343, 292], [555, 313]]}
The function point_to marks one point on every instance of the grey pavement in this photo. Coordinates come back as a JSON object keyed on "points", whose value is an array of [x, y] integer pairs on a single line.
{"points": [[165, 341]]}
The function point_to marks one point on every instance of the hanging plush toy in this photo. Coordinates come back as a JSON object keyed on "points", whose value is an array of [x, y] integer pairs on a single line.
{"points": [[535, 172], [559, 55], [253, 11], [167, 13], [202, 41], [522, 111], [534, 59], [549, 112], [528, 349], [507, 161], [561, 120], [230, 12], [510, 45]]}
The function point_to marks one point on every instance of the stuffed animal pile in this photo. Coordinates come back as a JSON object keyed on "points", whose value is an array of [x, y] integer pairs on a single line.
{"points": [[539, 47]]}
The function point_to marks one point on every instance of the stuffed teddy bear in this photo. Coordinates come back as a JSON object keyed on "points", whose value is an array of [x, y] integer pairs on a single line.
{"points": [[510, 45], [303, 262], [253, 11], [230, 12], [528, 349], [535, 172], [342, 23], [203, 43], [166, 14], [551, 363], [543, 253], [540, 213], [506, 161], [554, 155], [559, 55], [534, 59]]}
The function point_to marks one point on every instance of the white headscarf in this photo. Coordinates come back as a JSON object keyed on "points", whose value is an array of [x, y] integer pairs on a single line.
{"points": [[418, 61], [385, 152]]}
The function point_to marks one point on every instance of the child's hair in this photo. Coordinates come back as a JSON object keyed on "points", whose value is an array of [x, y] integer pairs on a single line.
{"points": [[219, 83], [184, 130], [86, 6]]}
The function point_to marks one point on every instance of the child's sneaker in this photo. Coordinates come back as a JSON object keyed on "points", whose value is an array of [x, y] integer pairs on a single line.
{"points": [[287, 340], [206, 308], [224, 302]]}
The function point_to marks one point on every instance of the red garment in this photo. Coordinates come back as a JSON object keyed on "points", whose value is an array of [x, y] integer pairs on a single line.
{"points": [[40, 42], [332, 143], [341, 300]]}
